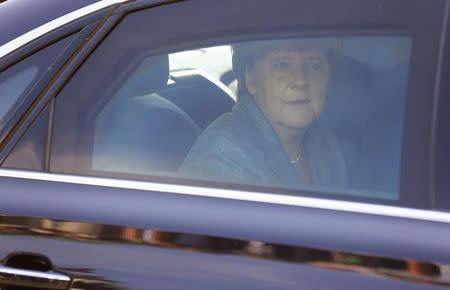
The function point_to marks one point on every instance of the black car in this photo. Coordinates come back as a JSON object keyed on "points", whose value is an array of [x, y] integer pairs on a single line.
{"points": [[101, 102]]}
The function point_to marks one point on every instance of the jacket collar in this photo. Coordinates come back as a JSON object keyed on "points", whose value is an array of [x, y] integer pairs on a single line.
{"points": [[263, 134]]}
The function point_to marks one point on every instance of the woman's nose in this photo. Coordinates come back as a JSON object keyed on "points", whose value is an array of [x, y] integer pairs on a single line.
{"points": [[299, 76]]}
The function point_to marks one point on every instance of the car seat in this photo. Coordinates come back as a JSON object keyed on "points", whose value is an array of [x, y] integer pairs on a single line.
{"points": [[194, 90], [365, 110], [383, 137], [140, 132], [350, 103]]}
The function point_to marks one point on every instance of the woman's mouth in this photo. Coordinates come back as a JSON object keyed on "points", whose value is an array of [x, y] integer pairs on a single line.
{"points": [[298, 102]]}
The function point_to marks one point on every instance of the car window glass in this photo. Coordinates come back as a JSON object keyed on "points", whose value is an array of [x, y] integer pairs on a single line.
{"points": [[17, 80], [14, 86], [29, 152], [214, 61], [169, 115]]}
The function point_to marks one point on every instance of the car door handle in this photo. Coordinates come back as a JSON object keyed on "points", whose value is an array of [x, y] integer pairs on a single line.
{"points": [[33, 279]]}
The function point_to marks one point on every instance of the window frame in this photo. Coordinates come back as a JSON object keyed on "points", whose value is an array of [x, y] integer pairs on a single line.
{"points": [[415, 179], [44, 75], [441, 126], [36, 99]]}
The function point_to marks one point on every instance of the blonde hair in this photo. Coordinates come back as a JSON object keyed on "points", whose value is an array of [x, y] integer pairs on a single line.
{"points": [[246, 53]]}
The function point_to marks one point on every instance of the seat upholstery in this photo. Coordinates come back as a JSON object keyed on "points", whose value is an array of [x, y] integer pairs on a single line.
{"points": [[350, 103], [142, 132], [365, 109], [193, 91], [383, 139], [350, 98]]}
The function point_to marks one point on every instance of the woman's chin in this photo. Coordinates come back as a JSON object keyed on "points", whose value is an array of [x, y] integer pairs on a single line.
{"points": [[297, 123]]}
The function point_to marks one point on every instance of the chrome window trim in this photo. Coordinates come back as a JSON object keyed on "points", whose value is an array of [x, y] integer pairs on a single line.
{"points": [[298, 201], [52, 25]]}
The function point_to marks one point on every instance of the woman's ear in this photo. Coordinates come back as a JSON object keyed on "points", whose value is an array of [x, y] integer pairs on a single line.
{"points": [[249, 77]]}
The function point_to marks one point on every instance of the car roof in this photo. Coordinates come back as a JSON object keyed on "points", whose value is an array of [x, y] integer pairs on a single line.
{"points": [[20, 16]]}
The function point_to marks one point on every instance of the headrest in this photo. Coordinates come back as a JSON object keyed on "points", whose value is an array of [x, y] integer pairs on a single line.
{"points": [[151, 76], [391, 87], [350, 97], [129, 142]]}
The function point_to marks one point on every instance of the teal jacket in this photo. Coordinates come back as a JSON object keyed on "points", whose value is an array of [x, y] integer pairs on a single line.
{"points": [[242, 147]]}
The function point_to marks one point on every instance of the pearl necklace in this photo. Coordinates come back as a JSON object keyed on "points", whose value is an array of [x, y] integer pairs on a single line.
{"points": [[299, 157]]}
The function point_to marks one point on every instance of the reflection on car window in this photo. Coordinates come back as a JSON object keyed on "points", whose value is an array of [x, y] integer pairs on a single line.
{"points": [[312, 114], [13, 87], [18, 80]]}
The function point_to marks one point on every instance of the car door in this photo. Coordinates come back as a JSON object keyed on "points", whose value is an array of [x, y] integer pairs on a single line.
{"points": [[80, 222]]}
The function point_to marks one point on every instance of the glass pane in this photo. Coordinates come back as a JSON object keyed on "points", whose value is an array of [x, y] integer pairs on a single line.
{"points": [[315, 114], [29, 152], [19, 79], [13, 87]]}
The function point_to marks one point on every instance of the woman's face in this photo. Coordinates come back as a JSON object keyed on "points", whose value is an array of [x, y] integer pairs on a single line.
{"points": [[289, 85]]}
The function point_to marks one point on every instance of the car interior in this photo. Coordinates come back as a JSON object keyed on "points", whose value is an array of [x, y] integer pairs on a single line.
{"points": [[149, 125]]}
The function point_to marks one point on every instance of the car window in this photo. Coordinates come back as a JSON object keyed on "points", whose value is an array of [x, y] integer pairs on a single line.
{"points": [[18, 80], [13, 87], [29, 152], [186, 107], [214, 60], [172, 116]]}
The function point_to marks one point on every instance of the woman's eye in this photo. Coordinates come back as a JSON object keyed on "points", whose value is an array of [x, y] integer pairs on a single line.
{"points": [[281, 65], [312, 66]]}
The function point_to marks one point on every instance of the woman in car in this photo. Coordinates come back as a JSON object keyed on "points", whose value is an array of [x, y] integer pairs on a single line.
{"points": [[273, 135]]}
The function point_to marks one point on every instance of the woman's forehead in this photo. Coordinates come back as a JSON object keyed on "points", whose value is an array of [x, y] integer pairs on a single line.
{"points": [[315, 44], [297, 51]]}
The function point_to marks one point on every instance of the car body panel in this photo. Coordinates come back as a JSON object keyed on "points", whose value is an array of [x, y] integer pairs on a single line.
{"points": [[143, 218], [168, 260], [22, 17]]}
